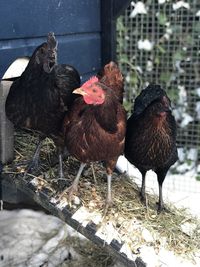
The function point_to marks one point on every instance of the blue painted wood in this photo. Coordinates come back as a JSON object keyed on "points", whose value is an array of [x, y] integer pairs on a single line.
{"points": [[76, 24], [82, 51], [27, 18]]}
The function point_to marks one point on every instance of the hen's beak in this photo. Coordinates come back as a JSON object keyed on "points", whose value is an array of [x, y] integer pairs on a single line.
{"points": [[79, 91]]}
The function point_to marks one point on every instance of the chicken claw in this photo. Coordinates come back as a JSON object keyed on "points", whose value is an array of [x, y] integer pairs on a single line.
{"points": [[71, 190]]}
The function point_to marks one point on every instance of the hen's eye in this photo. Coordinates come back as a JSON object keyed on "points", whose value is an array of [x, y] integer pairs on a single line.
{"points": [[94, 90]]}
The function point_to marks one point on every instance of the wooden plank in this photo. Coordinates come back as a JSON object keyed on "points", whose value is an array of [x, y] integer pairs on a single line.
{"points": [[6, 127], [20, 19], [83, 51]]}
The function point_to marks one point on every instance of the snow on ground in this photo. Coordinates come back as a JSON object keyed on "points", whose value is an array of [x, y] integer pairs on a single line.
{"points": [[180, 189], [34, 239], [29, 238]]}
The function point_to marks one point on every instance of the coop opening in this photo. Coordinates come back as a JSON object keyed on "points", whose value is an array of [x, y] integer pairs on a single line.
{"points": [[16, 69]]}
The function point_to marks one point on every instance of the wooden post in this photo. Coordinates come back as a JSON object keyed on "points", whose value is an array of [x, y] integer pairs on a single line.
{"points": [[6, 127], [110, 11]]}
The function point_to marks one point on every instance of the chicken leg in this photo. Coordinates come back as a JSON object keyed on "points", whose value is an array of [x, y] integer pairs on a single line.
{"points": [[74, 187], [143, 187], [109, 201], [161, 173], [110, 165], [61, 175], [34, 163]]}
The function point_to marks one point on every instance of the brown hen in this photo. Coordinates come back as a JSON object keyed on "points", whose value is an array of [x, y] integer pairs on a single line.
{"points": [[95, 129]]}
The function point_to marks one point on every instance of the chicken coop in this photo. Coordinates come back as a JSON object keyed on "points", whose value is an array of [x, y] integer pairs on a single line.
{"points": [[153, 41]]}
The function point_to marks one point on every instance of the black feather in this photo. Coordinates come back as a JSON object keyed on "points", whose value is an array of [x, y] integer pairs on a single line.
{"points": [[146, 97]]}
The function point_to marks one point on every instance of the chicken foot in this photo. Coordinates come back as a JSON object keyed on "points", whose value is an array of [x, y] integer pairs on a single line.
{"points": [[71, 190]]}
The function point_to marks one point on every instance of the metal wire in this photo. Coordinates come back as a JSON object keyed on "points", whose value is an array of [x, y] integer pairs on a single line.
{"points": [[162, 46]]}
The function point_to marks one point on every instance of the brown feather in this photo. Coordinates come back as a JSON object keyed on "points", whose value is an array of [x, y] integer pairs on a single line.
{"points": [[111, 76]]}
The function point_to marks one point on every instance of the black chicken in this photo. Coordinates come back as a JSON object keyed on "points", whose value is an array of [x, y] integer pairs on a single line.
{"points": [[151, 136], [39, 99]]}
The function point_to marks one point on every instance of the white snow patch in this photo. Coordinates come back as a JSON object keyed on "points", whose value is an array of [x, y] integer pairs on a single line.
{"points": [[180, 4], [168, 259], [188, 228], [192, 154], [182, 94], [139, 8], [197, 90], [181, 154], [198, 13], [178, 113], [84, 216], [34, 181], [147, 236], [29, 238], [139, 69], [38, 258], [186, 120], [149, 66], [180, 189], [128, 78], [178, 66], [61, 204], [77, 200], [149, 256], [197, 109], [168, 33], [107, 232], [127, 250], [183, 168], [145, 45]]}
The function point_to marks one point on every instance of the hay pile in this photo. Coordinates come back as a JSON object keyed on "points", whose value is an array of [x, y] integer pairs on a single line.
{"points": [[136, 224]]}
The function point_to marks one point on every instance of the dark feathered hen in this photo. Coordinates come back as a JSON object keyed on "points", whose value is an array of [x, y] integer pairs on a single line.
{"points": [[111, 76], [39, 99], [151, 136], [95, 129]]}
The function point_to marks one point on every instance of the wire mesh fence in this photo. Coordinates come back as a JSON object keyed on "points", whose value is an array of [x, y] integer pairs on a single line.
{"points": [[159, 42]]}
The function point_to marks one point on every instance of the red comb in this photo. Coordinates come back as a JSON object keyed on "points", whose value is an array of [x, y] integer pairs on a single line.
{"points": [[92, 80]]}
